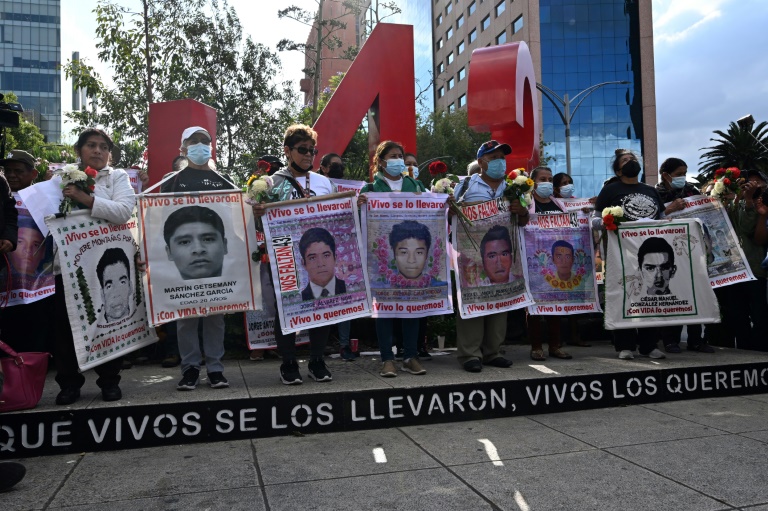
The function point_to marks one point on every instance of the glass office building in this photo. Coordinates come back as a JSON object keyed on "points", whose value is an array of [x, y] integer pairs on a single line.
{"points": [[583, 43], [30, 31]]}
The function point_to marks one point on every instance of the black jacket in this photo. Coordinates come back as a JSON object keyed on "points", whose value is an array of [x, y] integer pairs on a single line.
{"points": [[9, 229]]}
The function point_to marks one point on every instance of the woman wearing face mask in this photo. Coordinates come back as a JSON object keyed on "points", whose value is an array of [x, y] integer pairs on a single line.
{"points": [[543, 203], [331, 166], [563, 186], [389, 162], [639, 202], [673, 187]]}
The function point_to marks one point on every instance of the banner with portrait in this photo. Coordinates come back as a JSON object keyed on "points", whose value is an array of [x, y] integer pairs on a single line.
{"points": [[347, 185], [656, 275], [260, 331], [726, 262], [406, 237], [487, 261], [315, 249], [198, 248], [102, 286], [560, 264], [31, 264]]}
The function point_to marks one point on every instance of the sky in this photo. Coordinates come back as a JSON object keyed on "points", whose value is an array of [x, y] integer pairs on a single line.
{"points": [[711, 60]]}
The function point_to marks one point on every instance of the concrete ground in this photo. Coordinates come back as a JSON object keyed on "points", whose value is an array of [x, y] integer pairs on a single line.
{"points": [[706, 454]]}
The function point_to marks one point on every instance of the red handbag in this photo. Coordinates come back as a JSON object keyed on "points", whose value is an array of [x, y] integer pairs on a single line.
{"points": [[24, 379]]}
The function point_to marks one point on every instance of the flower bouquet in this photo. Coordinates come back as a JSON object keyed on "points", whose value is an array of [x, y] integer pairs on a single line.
{"points": [[257, 188], [84, 180], [727, 181], [612, 217], [519, 186], [442, 182]]}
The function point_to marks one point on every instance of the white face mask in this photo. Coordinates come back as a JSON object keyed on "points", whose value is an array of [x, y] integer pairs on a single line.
{"points": [[566, 191]]}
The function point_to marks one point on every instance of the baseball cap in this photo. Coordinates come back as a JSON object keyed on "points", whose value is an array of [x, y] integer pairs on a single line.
{"points": [[19, 155], [192, 130], [491, 146], [272, 160]]}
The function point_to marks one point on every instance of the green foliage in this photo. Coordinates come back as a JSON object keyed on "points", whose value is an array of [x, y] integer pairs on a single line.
{"points": [[26, 137], [447, 136], [195, 49], [545, 159], [736, 148]]}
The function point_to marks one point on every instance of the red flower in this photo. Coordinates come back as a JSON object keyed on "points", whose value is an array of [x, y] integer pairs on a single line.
{"points": [[263, 165], [735, 173], [90, 172], [726, 181], [720, 172], [608, 222], [92, 187], [511, 174], [437, 167]]}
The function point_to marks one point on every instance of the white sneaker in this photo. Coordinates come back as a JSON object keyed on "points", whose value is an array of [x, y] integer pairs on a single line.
{"points": [[654, 354], [626, 355]]}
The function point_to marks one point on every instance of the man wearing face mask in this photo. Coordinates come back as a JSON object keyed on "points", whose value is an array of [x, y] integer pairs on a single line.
{"points": [[199, 176], [479, 339], [331, 166], [673, 186]]}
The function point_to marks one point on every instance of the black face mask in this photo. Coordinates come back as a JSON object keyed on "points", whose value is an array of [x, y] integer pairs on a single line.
{"points": [[299, 169], [336, 170], [630, 169]]}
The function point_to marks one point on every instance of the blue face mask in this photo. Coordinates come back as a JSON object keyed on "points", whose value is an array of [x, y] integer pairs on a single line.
{"points": [[199, 154], [566, 191], [395, 167], [496, 168], [544, 190], [678, 182]]}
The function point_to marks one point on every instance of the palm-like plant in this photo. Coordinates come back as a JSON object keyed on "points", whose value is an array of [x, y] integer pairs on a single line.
{"points": [[739, 148]]}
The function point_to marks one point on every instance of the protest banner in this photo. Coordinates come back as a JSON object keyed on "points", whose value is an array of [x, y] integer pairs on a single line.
{"points": [[31, 264], [726, 262], [489, 265], [133, 176], [560, 264], [574, 204], [348, 185], [406, 235], [42, 200], [656, 275], [315, 249], [198, 248], [260, 331], [102, 285]]}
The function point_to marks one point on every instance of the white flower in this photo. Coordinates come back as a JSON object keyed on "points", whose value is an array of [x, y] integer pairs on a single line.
{"points": [[442, 186], [616, 211], [520, 180], [607, 211], [718, 189]]}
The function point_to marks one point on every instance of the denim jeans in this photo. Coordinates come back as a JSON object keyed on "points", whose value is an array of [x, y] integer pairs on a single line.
{"points": [[384, 327]]}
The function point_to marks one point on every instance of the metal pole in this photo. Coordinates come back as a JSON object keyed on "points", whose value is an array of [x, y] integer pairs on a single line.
{"points": [[567, 116]]}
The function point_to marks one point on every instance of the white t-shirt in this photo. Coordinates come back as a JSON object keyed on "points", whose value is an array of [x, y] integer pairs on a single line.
{"points": [[396, 186], [318, 185]]}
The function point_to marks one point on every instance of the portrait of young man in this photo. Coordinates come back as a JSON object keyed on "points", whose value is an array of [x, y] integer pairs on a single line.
{"points": [[318, 255], [657, 266], [195, 242], [562, 255], [496, 252], [114, 273]]}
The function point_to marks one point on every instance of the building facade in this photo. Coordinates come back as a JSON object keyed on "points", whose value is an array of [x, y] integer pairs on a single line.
{"points": [[30, 31], [574, 44]]}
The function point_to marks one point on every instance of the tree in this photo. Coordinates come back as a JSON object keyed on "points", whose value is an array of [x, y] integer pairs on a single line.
{"points": [[447, 136], [738, 147], [324, 38], [178, 49], [26, 136], [377, 11]]}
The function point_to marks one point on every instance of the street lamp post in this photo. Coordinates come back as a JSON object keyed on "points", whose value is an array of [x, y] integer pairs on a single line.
{"points": [[566, 114]]}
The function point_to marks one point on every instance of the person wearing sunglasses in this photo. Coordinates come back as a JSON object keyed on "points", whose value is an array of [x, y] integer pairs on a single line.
{"points": [[295, 182]]}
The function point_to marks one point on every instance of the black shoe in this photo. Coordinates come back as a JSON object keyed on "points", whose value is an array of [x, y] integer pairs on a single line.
{"points": [[68, 395], [424, 355], [501, 362], [673, 348], [126, 364], [171, 361], [346, 354], [111, 393], [11, 473], [702, 348], [473, 366], [289, 373], [189, 379], [318, 371], [217, 381]]}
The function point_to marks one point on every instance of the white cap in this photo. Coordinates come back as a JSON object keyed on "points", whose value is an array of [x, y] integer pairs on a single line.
{"points": [[192, 130]]}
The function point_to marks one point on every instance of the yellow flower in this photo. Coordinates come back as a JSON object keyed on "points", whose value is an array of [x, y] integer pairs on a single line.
{"points": [[529, 182]]}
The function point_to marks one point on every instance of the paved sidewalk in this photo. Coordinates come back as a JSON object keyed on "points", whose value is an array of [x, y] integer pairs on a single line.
{"points": [[707, 454]]}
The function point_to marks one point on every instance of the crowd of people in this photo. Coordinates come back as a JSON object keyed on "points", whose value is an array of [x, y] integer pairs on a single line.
{"points": [[199, 342]]}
